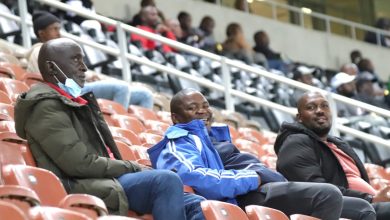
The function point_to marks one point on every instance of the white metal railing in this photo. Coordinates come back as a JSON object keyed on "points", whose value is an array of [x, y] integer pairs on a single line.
{"points": [[226, 88], [326, 18]]}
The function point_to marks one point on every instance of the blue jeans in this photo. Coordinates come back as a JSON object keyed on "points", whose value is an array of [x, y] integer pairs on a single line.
{"points": [[121, 92], [141, 96], [160, 192], [117, 91]]}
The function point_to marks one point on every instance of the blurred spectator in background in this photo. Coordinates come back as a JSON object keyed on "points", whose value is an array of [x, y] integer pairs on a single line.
{"points": [[189, 36], [365, 66], [235, 45], [151, 22], [137, 18], [344, 84], [371, 37], [262, 46], [350, 69], [366, 91], [205, 34], [174, 26], [304, 75], [355, 56]]}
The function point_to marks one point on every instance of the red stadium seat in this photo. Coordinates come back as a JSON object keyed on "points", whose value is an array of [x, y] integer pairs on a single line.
{"points": [[129, 123], [24, 198], [4, 98], [256, 212], [302, 217], [216, 210], [11, 211], [88, 205], [32, 78], [52, 213], [13, 87], [124, 135], [142, 113], [110, 107]]}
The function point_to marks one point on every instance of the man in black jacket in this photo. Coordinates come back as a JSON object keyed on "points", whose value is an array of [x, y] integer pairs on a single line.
{"points": [[306, 152]]}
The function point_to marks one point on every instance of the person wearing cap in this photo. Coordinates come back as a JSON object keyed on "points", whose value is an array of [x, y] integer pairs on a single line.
{"points": [[47, 27], [304, 75], [344, 84]]}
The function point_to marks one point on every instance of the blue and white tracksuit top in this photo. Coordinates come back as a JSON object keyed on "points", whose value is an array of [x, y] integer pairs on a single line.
{"points": [[187, 150]]}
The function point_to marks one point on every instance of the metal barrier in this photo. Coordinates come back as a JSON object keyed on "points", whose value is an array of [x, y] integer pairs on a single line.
{"points": [[124, 56]]}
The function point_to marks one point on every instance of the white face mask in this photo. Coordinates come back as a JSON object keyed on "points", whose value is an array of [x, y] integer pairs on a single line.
{"points": [[70, 86]]}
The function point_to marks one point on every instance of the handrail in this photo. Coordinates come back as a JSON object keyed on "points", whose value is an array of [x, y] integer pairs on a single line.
{"points": [[207, 83], [218, 58]]}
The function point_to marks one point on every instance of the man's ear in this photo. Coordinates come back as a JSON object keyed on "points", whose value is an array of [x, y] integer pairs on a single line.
{"points": [[174, 118], [298, 118], [51, 68]]}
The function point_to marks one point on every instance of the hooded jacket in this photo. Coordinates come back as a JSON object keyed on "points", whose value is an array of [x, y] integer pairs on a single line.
{"points": [[187, 150], [70, 140], [302, 156]]}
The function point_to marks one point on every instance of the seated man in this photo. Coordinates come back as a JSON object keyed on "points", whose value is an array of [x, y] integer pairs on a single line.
{"points": [[188, 149], [68, 136], [306, 152], [47, 27]]}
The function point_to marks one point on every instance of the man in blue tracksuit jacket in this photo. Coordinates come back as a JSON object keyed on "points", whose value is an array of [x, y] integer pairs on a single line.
{"points": [[188, 149]]}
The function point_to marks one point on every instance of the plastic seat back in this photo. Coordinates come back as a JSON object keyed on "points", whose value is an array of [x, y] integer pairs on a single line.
{"points": [[8, 111], [52, 213], [216, 210], [126, 152], [256, 212], [302, 217], [142, 113], [47, 185], [13, 87], [10, 211], [24, 198], [130, 123], [4, 98], [125, 136], [88, 205], [110, 107]]}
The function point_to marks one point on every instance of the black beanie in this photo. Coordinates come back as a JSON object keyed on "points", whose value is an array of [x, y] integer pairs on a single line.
{"points": [[43, 19]]}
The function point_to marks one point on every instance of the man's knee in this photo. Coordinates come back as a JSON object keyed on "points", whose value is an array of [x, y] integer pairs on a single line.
{"points": [[329, 191], [168, 178]]}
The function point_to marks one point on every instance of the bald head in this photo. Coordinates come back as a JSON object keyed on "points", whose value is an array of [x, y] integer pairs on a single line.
{"points": [[61, 58], [190, 104], [314, 113]]}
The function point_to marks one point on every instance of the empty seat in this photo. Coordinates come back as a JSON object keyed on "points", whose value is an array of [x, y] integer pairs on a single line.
{"points": [[17, 71], [302, 217], [142, 113], [110, 107], [52, 213], [4, 98], [32, 78], [125, 136], [116, 217], [24, 198], [256, 212], [126, 152], [150, 139], [12, 137], [13, 87], [88, 205], [10, 211], [216, 210], [250, 147], [48, 187], [6, 112], [252, 135], [165, 116], [129, 122], [7, 126], [158, 127]]}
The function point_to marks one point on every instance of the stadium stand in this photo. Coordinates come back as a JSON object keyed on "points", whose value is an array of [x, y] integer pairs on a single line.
{"points": [[139, 128]]}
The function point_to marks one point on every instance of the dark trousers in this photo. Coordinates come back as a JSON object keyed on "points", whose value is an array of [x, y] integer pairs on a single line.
{"points": [[382, 210], [320, 200]]}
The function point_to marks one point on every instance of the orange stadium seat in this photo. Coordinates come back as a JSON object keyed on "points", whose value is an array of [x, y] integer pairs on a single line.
{"points": [[126, 152], [32, 78], [11, 153], [16, 70], [302, 217], [48, 187], [216, 210], [250, 147], [142, 113], [129, 122], [7, 111], [4, 98], [11, 211], [150, 139], [13, 87], [7, 126], [124, 135], [164, 116], [158, 127], [50, 213], [110, 107], [6, 72], [252, 135], [24, 198], [256, 212], [88, 205]]}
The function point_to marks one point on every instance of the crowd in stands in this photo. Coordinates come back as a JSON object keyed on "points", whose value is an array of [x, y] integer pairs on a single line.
{"points": [[171, 164]]}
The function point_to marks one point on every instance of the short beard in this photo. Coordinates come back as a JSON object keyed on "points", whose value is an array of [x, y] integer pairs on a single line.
{"points": [[321, 131]]}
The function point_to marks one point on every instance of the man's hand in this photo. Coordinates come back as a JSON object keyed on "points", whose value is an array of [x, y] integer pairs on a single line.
{"points": [[382, 195]]}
